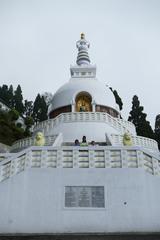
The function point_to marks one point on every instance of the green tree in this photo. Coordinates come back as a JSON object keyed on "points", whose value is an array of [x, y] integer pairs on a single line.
{"points": [[28, 108], [28, 122], [138, 118], [157, 130], [117, 98], [18, 100], [39, 109], [13, 115], [4, 93], [9, 132], [10, 97], [47, 97]]}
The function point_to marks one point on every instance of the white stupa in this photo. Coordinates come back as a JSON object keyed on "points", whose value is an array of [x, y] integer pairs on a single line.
{"points": [[107, 183]]}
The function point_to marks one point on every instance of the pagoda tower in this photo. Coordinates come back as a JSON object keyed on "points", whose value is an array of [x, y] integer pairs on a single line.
{"points": [[84, 170]]}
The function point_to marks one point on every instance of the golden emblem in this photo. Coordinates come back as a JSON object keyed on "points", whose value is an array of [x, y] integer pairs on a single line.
{"points": [[83, 103]]}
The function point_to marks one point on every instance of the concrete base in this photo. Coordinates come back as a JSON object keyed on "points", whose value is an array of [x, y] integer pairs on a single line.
{"points": [[33, 202]]}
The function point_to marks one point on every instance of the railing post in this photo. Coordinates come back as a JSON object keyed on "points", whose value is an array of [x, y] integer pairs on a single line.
{"points": [[107, 158], [155, 166], [13, 167], [75, 158], [73, 106], [44, 159], [140, 159], [28, 159], [91, 158], [1, 173], [59, 158], [93, 106], [124, 158]]}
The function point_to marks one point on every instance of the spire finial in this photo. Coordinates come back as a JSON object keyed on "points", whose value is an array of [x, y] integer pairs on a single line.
{"points": [[83, 45], [82, 36]]}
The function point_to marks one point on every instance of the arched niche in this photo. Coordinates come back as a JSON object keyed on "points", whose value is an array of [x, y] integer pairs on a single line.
{"points": [[83, 102]]}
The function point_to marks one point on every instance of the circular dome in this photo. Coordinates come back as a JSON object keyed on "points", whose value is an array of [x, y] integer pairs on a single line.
{"points": [[66, 94]]}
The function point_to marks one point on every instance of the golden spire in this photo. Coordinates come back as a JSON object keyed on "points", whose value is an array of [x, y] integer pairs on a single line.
{"points": [[82, 45], [82, 36]]}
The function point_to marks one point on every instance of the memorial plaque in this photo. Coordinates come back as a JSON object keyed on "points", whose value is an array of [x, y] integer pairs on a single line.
{"points": [[84, 196]]}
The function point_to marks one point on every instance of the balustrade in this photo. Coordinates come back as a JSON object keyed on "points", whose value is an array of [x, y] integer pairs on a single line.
{"points": [[137, 141], [79, 157], [119, 124], [27, 142]]}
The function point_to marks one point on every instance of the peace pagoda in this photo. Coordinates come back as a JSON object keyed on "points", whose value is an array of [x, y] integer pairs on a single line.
{"points": [[84, 170]]}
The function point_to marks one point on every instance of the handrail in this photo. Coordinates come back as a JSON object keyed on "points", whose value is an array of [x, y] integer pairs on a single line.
{"points": [[45, 126], [136, 140], [119, 124], [26, 142], [80, 157]]}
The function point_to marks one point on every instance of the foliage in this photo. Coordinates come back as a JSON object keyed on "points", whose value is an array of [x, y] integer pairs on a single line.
{"points": [[9, 131], [157, 130], [39, 109], [28, 122], [13, 115], [117, 98], [6, 94], [28, 108], [138, 118], [47, 97], [18, 100]]}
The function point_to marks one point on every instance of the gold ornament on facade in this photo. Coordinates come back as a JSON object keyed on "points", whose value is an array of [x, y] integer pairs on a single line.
{"points": [[127, 139], [83, 104], [82, 36]]}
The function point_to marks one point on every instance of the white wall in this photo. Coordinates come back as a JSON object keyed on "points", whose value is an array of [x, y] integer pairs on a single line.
{"points": [[76, 130], [33, 201]]}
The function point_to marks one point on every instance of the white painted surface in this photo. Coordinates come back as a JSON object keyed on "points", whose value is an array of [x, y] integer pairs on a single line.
{"points": [[33, 201], [93, 125], [99, 92], [76, 130], [78, 157]]}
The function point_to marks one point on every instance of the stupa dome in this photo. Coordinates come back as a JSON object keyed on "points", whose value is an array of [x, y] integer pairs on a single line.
{"points": [[99, 92], [83, 92]]}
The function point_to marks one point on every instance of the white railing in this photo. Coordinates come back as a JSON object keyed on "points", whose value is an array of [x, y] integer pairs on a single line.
{"points": [[79, 157], [27, 142], [120, 125], [4, 156], [128, 125], [137, 141]]}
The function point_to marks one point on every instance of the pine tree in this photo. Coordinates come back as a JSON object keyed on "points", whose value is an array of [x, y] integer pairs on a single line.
{"points": [[18, 100], [47, 97], [28, 122], [9, 132], [28, 108], [157, 130], [138, 118], [39, 109], [117, 98], [10, 97], [4, 93], [44, 108]]}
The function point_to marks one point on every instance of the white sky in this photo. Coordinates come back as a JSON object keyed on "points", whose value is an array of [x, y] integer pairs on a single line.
{"points": [[38, 37]]}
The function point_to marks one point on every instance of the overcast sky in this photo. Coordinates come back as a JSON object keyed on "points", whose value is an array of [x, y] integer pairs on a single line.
{"points": [[38, 37]]}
